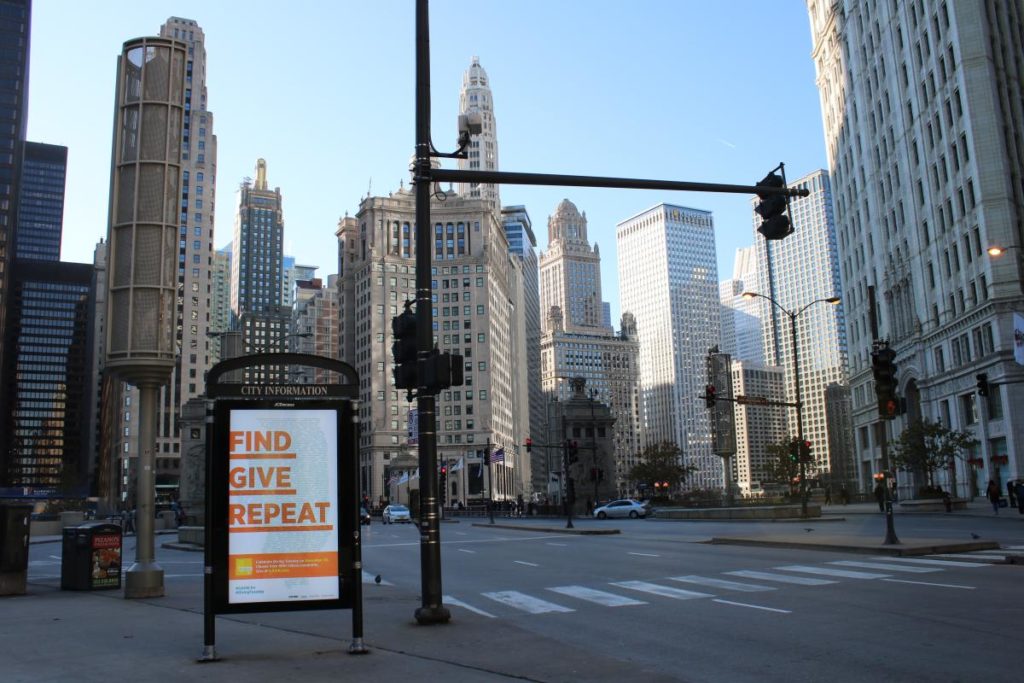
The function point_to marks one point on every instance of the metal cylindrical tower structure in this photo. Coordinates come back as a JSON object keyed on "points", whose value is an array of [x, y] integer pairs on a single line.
{"points": [[143, 269]]}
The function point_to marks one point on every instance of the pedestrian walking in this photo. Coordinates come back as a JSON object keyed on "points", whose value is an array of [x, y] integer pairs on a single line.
{"points": [[1010, 486], [1019, 490], [828, 494], [880, 496], [992, 492], [844, 495]]}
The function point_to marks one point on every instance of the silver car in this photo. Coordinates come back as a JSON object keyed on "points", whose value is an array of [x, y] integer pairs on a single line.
{"points": [[621, 508], [396, 513]]}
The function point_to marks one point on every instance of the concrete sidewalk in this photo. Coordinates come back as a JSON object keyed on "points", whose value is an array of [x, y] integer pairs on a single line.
{"points": [[975, 508]]}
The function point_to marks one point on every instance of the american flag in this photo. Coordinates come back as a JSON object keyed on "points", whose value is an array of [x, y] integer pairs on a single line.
{"points": [[498, 456]]}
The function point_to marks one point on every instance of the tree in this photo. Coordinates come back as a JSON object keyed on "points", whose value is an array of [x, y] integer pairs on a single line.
{"points": [[661, 463], [781, 466], [926, 446]]}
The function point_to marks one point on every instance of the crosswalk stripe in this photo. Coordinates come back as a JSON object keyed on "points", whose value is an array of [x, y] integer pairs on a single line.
{"points": [[449, 600], [599, 597], [825, 571], [781, 578], [936, 563], [885, 566], [526, 603], [722, 583], [664, 591]]}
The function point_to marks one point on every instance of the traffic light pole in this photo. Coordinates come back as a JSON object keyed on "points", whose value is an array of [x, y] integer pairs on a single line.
{"points": [[881, 435], [490, 490], [431, 611], [799, 412]]}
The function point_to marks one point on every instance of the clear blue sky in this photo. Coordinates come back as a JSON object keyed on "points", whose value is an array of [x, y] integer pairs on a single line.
{"points": [[324, 91]]}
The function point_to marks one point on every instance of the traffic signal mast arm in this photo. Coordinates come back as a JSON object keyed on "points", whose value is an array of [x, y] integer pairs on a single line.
{"points": [[747, 400]]}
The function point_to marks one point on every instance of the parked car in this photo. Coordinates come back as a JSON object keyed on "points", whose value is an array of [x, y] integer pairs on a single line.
{"points": [[625, 507], [396, 513], [364, 516]]}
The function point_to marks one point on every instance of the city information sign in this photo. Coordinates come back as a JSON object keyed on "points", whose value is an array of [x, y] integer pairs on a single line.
{"points": [[278, 508]]}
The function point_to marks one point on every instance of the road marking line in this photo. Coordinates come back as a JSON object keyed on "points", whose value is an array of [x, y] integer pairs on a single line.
{"points": [[825, 571], [925, 583], [743, 604], [449, 600], [781, 578], [55, 557], [722, 583], [525, 602], [936, 563], [463, 550], [1014, 547], [664, 591], [971, 556], [645, 554], [372, 578], [908, 568], [599, 597], [497, 539], [528, 564], [560, 545]]}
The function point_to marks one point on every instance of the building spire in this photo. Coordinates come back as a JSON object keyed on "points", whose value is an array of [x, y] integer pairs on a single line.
{"points": [[475, 96], [261, 174]]}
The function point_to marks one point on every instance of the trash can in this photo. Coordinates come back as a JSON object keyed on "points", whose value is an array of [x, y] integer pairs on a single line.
{"points": [[91, 557], [14, 527]]}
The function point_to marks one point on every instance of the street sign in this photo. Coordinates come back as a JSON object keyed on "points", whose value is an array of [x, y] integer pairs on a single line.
{"points": [[752, 400]]}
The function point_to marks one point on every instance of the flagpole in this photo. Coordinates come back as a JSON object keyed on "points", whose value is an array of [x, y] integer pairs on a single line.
{"points": [[490, 493]]}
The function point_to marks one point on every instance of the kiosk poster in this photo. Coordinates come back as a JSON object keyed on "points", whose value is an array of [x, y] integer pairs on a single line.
{"points": [[282, 506]]}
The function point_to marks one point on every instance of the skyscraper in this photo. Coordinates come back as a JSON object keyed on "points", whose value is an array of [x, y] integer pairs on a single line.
{"points": [[37, 235], [474, 315], [257, 266], [742, 336], [15, 32], [806, 269], [576, 343], [757, 426], [922, 105], [668, 280], [522, 245], [483, 147]]}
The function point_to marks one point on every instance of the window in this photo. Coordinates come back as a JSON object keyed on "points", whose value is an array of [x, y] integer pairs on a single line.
{"points": [[969, 409]]}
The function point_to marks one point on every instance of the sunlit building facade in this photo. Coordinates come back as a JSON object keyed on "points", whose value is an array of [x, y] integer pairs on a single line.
{"points": [[668, 279]]}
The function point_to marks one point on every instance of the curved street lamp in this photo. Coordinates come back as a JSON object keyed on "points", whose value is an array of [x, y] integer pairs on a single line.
{"points": [[996, 250], [793, 315]]}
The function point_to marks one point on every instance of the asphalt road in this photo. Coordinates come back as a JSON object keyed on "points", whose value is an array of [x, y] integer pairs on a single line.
{"points": [[657, 603]]}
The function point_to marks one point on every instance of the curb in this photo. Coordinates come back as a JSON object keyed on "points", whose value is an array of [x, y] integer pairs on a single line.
{"points": [[897, 550], [788, 520], [549, 530]]}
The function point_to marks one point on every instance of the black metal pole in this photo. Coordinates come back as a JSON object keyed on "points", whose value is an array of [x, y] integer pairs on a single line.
{"points": [[890, 522], [442, 175], [209, 617], [432, 610], [569, 499], [356, 647], [799, 415], [490, 481]]}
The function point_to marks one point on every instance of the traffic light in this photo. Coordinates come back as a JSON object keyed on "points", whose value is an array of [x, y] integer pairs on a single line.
{"points": [[442, 482], [774, 221], [593, 474], [441, 371], [709, 396], [403, 349], [529, 445], [805, 451], [883, 366], [982, 384], [572, 449], [794, 450]]}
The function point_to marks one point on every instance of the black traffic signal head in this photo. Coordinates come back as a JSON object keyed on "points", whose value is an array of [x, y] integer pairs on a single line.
{"points": [[529, 445], [772, 209], [982, 384], [794, 450], [805, 451], [883, 366], [709, 396], [403, 349]]}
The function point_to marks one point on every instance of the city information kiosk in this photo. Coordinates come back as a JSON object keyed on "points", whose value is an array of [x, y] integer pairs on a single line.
{"points": [[282, 503]]}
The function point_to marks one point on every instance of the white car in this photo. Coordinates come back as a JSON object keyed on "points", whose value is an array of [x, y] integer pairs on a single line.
{"points": [[396, 513], [621, 508]]}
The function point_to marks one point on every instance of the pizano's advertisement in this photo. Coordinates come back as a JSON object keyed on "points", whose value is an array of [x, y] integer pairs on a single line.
{"points": [[106, 561], [282, 506]]}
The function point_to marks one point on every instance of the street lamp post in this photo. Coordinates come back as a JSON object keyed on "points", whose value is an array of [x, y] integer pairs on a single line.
{"points": [[798, 402]]}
